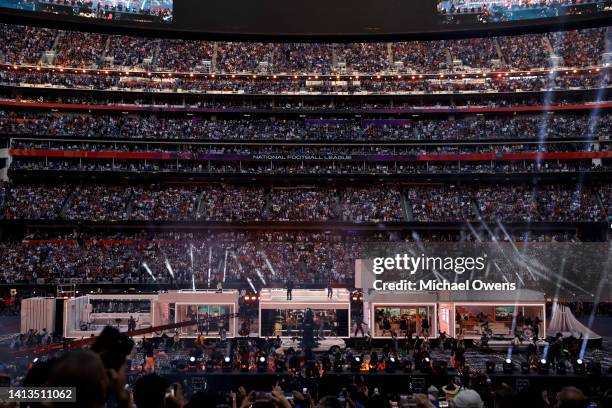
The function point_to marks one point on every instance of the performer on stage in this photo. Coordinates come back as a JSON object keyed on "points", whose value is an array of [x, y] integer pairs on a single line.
{"points": [[131, 324], [289, 289]]}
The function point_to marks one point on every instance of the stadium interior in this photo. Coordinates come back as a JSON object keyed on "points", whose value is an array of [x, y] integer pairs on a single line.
{"points": [[182, 220]]}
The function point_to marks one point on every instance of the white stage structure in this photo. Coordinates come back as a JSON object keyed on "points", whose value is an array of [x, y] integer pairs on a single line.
{"points": [[281, 317], [88, 315], [182, 305], [563, 321]]}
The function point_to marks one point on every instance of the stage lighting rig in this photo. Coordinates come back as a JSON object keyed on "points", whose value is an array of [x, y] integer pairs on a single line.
{"points": [[579, 367], [262, 364], [508, 366], [425, 365], [356, 364], [390, 364], [227, 366], [543, 366]]}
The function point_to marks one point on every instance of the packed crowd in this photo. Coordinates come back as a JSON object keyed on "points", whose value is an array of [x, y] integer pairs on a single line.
{"points": [[247, 152], [515, 203], [26, 45], [294, 166], [266, 84], [529, 204], [266, 258], [535, 127]]}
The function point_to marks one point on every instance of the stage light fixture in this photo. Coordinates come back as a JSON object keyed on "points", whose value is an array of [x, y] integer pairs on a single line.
{"points": [[390, 364], [356, 364], [490, 367], [425, 365], [508, 366], [525, 367], [226, 366], [192, 359], [543, 366], [579, 367], [262, 364]]}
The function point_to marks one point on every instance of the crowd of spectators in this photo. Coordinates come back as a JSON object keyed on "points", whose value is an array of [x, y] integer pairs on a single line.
{"points": [[131, 52], [183, 55], [477, 52], [525, 51], [441, 203], [295, 167], [311, 258], [246, 152], [523, 127], [78, 49], [555, 203], [303, 58], [372, 204], [364, 57], [580, 48], [33, 202], [242, 57], [26, 45], [267, 84]]}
